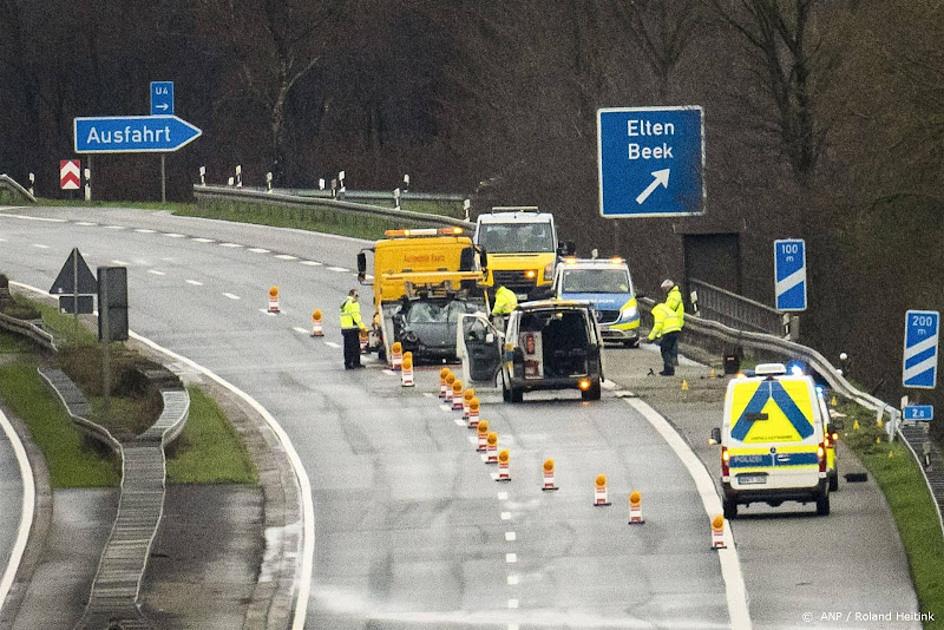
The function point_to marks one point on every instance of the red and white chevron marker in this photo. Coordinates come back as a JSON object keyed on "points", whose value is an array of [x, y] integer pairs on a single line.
{"points": [[70, 174]]}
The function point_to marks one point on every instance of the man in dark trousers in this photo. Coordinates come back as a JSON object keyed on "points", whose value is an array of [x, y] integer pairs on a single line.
{"points": [[351, 327]]}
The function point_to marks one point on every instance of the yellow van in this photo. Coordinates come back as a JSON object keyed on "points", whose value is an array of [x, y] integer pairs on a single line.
{"points": [[772, 441]]}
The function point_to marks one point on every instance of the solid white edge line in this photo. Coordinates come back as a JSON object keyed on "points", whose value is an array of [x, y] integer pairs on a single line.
{"points": [[734, 588], [304, 572], [26, 514]]}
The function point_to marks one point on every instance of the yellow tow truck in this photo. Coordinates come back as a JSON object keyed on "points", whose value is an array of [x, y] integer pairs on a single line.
{"points": [[423, 279]]}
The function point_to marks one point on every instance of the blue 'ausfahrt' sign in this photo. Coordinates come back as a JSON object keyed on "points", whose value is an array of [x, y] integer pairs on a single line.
{"points": [[133, 134], [790, 274], [651, 161]]}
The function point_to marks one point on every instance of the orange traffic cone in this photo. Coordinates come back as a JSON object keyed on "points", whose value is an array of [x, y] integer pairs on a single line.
{"points": [[396, 355], [504, 474], [274, 300], [317, 330], [549, 475], [599, 495], [635, 508], [473, 413], [406, 373], [447, 393], [483, 436], [717, 532], [443, 373], [491, 448], [457, 396], [467, 397]]}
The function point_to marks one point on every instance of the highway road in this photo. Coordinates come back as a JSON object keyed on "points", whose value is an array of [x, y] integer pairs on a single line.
{"points": [[410, 528], [11, 504]]}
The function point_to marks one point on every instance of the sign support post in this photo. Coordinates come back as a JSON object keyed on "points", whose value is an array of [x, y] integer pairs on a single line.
{"points": [[163, 178], [103, 312], [75, 293]]}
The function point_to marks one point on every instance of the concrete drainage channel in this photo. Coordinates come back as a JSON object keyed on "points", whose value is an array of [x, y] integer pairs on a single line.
{"points": [[113, 601]]}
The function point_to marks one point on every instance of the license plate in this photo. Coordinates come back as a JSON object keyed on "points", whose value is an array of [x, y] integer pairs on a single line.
{"points": [[752, 479], [522, 296]]}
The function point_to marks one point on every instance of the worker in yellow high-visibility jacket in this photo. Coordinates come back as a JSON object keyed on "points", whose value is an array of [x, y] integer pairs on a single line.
{"points": [[666, 327], [505, 302], [351, 327]]}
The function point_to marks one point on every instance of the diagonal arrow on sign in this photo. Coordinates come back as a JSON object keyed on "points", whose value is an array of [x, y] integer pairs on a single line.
{"points": [[659, 178]]}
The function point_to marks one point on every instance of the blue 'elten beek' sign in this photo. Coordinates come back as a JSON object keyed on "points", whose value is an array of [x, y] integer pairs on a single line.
{"points": [[651, 161]]}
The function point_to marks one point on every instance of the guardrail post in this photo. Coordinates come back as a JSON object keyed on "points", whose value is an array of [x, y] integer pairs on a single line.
{"points": [[88, 180]]}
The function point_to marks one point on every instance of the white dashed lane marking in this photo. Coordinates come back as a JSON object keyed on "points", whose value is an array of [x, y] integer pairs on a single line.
{"points": [[311, 263], [511, 558], [144, 231], [114, 227], [338, 269], [85, 223], [332, 344], [156, 272], [506, 516], [513, 580], [286, 257], [300, 330], [40, 246], [511, 536], [230, 245], [174, 235], [195, 283], [203, 240], [120, 263], [502, 496], [231, 296], [512, 603], [258, 250]]}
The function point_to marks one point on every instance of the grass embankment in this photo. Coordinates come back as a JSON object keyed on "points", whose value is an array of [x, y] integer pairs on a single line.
{"points": [[73, 460], [904, 487], [209, 449]]}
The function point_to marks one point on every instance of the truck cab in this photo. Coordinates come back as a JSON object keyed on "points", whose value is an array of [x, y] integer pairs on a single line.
{"points": [[523, 249], [607, 286], [546, 345]]}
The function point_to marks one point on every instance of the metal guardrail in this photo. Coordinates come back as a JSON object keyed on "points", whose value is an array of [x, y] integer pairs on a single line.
{"points": [[734, 310], [711, 331], [374, 194], [261, 196], [10, 184], [29, 330]]}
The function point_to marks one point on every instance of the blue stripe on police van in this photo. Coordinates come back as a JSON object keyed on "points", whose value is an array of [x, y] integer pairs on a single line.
{"points": [[773, 459]]}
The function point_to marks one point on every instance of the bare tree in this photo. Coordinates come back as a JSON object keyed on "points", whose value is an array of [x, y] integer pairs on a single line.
{"points": [[779, 33], [272, 44], [662, 31]]}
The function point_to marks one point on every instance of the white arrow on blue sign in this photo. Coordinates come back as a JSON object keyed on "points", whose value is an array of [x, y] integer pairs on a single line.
{"points": [[790, 274], [162, 98], [919, 365], [651, 161], [918, 413], [133, 134]]}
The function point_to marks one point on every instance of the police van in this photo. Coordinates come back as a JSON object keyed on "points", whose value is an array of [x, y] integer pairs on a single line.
{"points": [[607, 286], [773, 442]]}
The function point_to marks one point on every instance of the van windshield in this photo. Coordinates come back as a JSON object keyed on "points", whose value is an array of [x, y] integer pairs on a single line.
{"points": [[498, 238], [596, 281]]}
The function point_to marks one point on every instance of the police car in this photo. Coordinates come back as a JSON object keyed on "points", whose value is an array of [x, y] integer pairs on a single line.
{"points": [[773, 441], [607, 286]]}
